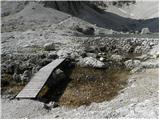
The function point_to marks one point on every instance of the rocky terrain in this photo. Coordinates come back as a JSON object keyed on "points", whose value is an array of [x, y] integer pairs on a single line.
{"points": [[35, 33]]}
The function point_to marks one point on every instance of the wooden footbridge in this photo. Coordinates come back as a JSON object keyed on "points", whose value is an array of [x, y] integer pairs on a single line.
{"points": [[37, 82]]}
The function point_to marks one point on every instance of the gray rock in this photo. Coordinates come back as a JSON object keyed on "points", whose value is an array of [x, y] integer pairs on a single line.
{"points": [[126, 47], [143, 57], [33, 59], [25, 66], [84, 54], [102, 59], [52, 55], [74, 55], [49, 46], [138, 50], [142, 49], [117, 58], [92, 49], [25, 76], [86, 30], [16, 77], [44, 62], [10, 68], [102, 48], [154, 56], [42, 55], [3, 68], [100, 54], [145, 31], [131, 64], [91, 55], [91, 62], [63, 53], [136, 69], [26, 73], [50, 105], [149, 65], [57, 76], [35, 69], [151, 44], [136, 32]]}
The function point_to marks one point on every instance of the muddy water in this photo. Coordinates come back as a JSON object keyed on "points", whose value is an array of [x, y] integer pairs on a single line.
{"points": [[84, 86], [89, 85]]}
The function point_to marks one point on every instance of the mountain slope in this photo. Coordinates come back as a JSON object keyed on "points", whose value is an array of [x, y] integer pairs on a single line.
{"points": [[33, 14], [139, 10]]}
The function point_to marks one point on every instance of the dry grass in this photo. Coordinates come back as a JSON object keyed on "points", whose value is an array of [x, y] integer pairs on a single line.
{"points": [[13, 87], [92, 85]]}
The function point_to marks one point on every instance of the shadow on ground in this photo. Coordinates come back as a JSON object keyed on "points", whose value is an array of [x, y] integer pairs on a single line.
{"points": [[102, 18]]}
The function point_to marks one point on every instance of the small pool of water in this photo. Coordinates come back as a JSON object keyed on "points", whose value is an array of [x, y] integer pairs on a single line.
{"points": [[89, 85]]}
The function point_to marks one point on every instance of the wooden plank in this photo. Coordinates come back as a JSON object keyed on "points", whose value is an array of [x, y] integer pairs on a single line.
{"points": [[37, 82]]}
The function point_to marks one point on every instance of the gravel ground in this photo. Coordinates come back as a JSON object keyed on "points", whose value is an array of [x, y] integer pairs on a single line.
{"points": [[138, 100]]}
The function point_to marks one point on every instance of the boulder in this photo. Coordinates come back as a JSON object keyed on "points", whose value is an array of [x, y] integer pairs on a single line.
{"points": [[145, 31], [131, 64], [87, 30], [57, 76], [49, 46], [91, 62], [59, 73]]}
